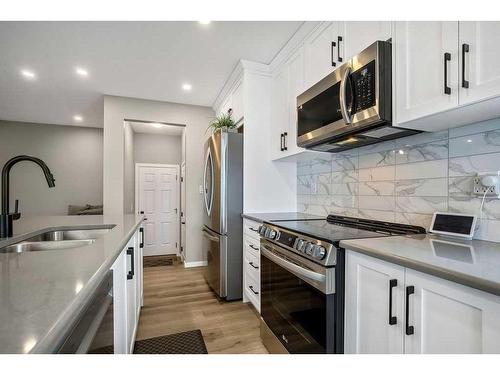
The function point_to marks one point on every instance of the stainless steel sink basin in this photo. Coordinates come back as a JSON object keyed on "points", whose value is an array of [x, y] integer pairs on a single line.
{"points": [[25, 246], [73, 234], [58, 240]]}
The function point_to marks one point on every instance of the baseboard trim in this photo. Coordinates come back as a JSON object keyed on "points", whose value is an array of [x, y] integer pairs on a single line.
{"points": [[195, 264]]}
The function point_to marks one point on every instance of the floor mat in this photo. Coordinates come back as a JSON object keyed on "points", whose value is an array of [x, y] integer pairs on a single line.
{"points": [[190, 342], [160, 260]]}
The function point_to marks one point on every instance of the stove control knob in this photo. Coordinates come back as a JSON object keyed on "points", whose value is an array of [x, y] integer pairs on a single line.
{"points": [[300, 245], [319, 252], [262, 230], [272, 234], [309, 248]]}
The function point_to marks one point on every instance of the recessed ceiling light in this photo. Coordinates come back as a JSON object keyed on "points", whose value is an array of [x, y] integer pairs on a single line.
{"points": [[78, 118], [401, 152], [469, 141], [187, 87], [204, 22], [81, 72], [28, 74], [156, 125]]}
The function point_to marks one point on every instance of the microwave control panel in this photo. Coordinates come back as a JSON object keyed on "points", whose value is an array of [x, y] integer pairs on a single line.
{"points": [[363, 84]]}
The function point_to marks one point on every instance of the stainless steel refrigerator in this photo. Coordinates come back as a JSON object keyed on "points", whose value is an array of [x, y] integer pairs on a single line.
{"points": [[223, 205]]}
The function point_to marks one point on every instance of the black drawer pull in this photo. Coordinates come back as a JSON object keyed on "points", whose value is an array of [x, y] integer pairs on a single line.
{"points": [[251, 288], [465, 49], [130, 274], [447, 89], [282, 142], [333, 58], [141, 231], [254, 247], [392, 319], [285, 134], [254, 266], [409, 291], [253, 229]]}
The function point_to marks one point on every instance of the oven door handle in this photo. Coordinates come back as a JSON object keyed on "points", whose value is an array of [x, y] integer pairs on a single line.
{"points": [[293, 267], [343, 94]]}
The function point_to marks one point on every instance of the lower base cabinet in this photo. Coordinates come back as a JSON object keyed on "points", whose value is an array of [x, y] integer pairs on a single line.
{"points": [[392, 309], [128, 293]]}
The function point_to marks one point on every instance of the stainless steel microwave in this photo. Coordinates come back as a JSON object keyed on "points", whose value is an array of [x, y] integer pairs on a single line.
{"points": [[352, 106]]}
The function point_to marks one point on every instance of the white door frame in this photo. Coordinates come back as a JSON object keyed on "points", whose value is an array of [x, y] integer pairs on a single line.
{"points": [[177, 198]]}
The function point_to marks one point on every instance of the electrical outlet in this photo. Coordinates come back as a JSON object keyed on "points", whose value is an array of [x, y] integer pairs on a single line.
{"points": [[480, 189]]}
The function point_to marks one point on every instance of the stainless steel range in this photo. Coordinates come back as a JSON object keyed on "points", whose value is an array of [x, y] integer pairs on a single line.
{"points": [[302, 280]]}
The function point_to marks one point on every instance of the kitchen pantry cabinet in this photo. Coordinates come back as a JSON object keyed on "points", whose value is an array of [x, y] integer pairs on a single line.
{"points": [[440, 68], [128, 293], [392, 309]]}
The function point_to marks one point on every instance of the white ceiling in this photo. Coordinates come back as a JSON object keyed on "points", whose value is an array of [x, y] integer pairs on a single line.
{"points": [[149, 60], [156, 128]]}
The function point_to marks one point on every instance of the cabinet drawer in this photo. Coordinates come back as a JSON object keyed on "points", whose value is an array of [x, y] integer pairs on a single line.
{"points": [[252, 290], [252, 267], [251, 246], [250, 228]]}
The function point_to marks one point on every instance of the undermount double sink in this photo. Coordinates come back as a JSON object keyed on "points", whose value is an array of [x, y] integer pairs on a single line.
{"points": [[58, 240]]}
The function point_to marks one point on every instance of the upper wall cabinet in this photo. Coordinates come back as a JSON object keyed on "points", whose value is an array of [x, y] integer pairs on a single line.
{"points": [[233, 102], [426, 68], [360, 34], [479, 68], [444, 73]]}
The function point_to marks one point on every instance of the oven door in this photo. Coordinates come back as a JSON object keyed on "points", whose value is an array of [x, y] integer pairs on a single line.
{"points": [[294, 302]]}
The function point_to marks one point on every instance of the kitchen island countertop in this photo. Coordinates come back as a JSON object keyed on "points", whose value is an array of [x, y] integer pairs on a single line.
{"points": [[42, 291]]}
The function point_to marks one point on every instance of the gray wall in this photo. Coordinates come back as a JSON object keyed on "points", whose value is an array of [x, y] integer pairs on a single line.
{"points": [[159, 149], [73, 154]]}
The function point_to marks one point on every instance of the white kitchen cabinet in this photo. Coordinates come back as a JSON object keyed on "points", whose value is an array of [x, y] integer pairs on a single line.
{"points": [[226, 106], [357, 35], [443, 316], [369, 285], [251, 263], [450, 318], [479, 69], [321, 52], [423, 52], [237, 102], [127, 294], [279, 113]]}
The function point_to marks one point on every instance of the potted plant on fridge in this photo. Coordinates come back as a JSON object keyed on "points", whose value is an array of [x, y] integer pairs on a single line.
{"points": [[224, 122]]}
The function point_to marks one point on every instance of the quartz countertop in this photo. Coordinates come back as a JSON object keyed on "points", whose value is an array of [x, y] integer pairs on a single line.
{"points": [[473, 263], [280, 216], [42, 291]]}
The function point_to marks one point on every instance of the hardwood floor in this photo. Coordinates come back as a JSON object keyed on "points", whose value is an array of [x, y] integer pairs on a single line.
{"points": [[177, 299]]}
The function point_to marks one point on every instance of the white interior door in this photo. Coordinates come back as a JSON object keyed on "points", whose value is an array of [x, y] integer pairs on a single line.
{"points": [[158, 194]]}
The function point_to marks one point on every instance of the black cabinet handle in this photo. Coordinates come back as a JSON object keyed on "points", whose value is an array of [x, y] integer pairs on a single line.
{"points": [[409, 291], [253, 265], [465, 49], [253, 229], [251, 288], [392, 319], [331, 50], [339, 39], [285, 134], [254, 247], [141, 231], [130, 274], [282, 138], [447, 89]]}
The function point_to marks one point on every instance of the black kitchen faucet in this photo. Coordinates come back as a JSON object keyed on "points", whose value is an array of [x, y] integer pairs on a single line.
{"points": [[6, 218]]}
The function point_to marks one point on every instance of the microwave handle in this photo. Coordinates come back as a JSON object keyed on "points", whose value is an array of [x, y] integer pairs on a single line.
{"points": [[343, 104]]}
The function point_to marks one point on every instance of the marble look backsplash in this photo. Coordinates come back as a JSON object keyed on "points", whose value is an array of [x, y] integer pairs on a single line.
{"points": [[406, 180]]}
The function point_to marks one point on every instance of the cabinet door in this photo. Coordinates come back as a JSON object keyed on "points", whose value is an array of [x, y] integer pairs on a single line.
{"points": [[295, 68], [450, 318], [481, 73], [368, 291], [419, 50], [237, 102], [279, 112], [321, 53], [360, 34], [226, 106], [131, 288]]}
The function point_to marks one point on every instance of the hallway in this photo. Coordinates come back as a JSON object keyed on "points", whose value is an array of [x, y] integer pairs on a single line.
{"points": [[177, 299]]}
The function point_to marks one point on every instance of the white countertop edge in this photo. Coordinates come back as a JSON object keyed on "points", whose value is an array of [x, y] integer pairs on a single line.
{"points": [[68, 317]]}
